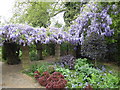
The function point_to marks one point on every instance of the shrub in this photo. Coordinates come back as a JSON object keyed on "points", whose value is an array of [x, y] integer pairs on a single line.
{"points": [[40, 67], [43, 79], [56, 80], [94, 47], [36, 75], [67, 61], [85, 73]]}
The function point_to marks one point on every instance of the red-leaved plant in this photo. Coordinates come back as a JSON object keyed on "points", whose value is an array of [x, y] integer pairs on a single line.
{"points": [[43, 79], [36, 74], [56, 80]]}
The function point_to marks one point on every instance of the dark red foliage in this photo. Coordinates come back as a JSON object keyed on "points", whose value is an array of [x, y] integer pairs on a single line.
{"points": [[56, 80], [88, 87], [37, 72], [42, 81], [46, 74], [36, 75]]}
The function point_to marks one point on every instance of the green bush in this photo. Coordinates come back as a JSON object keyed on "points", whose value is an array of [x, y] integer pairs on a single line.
{"points": [[41, 67], [85, 73]]}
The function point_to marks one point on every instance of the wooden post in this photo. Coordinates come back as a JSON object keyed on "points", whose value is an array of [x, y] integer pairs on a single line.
{"points": [[25, 57], [57, 52]]}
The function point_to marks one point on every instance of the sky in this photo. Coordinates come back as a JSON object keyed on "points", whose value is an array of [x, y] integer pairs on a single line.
{"points": [[6, 9], [6, 12]]}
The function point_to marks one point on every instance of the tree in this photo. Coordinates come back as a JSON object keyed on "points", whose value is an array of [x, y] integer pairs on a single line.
{"points": [[113, 42], [37, 15], [72, 11], [92, 19]]}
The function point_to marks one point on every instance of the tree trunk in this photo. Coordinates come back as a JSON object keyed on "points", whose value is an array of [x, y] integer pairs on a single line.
{"points": [[25, 57], [39, 51], [10, 50], [78, 51], [57, 52], [118, 49], [67, 51], [73, 51]]}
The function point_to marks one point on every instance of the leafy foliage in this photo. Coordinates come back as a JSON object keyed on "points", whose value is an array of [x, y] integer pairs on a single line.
{"points": [[114, 13], [43, 79], [33, 13], [72, 11], [85, 74], [56, 80], [40, 67], [67, 61], [94, 47]]}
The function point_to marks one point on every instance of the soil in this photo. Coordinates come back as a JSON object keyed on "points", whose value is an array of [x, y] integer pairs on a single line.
{"points": [[12, 77]]}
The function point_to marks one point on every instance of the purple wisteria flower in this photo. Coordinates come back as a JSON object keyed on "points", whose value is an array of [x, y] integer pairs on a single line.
{"points": [[92, 21]]}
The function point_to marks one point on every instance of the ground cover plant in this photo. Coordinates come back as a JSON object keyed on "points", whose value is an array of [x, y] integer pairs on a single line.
{"points": [[84, 74], [46, 76]]}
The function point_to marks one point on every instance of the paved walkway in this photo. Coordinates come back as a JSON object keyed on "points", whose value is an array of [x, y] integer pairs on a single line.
{"points": [[13, 78]]}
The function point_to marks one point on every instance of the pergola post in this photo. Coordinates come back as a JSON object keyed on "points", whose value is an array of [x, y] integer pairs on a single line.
{"points": [[25, 57]]}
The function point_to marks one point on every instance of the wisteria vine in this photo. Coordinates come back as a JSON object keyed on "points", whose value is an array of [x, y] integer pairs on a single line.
{"points": [[95, 19], [27, 35]]}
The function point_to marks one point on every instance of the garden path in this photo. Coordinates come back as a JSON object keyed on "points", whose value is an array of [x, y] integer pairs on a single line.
{"points": [[12, 77]]}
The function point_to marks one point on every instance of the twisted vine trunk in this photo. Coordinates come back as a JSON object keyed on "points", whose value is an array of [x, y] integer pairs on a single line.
{"points": [[11, 53], [73, 51], [78, 51], [25, 57], [39, 51], [118, 48], [57, 52]]}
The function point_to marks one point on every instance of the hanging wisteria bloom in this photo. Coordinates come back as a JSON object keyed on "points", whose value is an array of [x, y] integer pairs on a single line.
{"points": [[92, 20], [21, 34]]}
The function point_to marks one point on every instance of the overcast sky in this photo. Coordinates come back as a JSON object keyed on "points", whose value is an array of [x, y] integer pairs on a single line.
{"points": [[6, 12], [6, 9]]}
